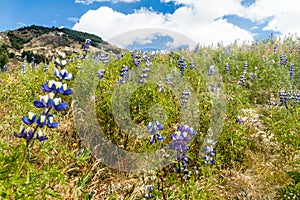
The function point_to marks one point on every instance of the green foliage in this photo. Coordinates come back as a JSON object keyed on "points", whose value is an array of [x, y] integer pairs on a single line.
{"points": [[256, 159], [3, 55], [38, 58]]}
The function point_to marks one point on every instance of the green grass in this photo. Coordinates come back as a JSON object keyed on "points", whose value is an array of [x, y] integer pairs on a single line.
{"points": [[258, 159]]}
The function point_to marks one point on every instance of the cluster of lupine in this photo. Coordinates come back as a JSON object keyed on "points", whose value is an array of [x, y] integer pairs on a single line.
{"points": [[208, 148], [100, 73], [46, 102], [149, 189], [276, 48], [124, 74], [184, 99], [292, 70], [212, 70], [291, 49], [87, 44], [227, 68], [242, 80], [192, 64], [283, 59], [181, 65], [179, 143], [46, 68], [4, 68], [32, 64], [246, 67], [136, 58], [297, 98], [144, 75], [101, 58], [254, 75], [154, 128], [169, 79], [283, 98]]}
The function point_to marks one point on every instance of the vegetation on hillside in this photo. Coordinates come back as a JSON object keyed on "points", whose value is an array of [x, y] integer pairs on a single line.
{"points": [[255, 155]]}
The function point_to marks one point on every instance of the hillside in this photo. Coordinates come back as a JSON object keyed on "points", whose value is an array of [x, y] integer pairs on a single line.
{"points": [[47, 43]]}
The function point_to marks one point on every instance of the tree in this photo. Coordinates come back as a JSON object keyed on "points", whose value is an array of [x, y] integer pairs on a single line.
{"points": [[3, 55]]}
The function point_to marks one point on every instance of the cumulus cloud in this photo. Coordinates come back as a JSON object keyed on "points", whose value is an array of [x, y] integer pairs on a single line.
{"points": [[88, 2], [197, 19], [283, 14]]}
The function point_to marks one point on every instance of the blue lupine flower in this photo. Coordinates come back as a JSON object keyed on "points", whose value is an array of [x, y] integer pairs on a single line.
{"points": [[181, 65], [153, 129], [169, 79], [58, 105], [246, 66], [275, 48], [283, 98], [292, 69], [41, 121], [44, 102], [180, 140], [192, 65], [242, 80], [212, 70], [46, 68], [27, 135], [184, 99], [5, 67], [40, 137], [50, 122], [283, 59], [57, 87], [227, 68], [30, 119], [101, 73], [239, 120], [65, 90], [62, 74]]}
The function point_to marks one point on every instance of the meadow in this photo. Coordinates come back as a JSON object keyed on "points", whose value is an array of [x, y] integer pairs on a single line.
{"points": [[227, 118]]}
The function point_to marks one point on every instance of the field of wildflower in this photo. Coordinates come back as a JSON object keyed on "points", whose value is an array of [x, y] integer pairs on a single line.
{"points": [[213, 123]]}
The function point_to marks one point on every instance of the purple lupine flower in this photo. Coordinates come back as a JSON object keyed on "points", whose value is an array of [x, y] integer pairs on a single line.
{"points": [[292, 70], [169, 79], [30, 119], [276, 48], [57, 104], [5, 67], [182, 65], [192, 65], [45, 102], [212, 70], [41, 121], [50, 122], [101, 73], [154, 129], [63, 74], [227, 68], [27, 135], [40, 137], [283, 59]]}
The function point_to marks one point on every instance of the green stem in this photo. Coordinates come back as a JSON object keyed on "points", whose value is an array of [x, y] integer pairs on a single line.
{"points": [[26, 150]]}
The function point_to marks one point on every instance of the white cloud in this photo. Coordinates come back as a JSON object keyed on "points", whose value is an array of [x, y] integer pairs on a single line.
{"points": [[88, 2], [197, 20], [200, 20], [73, 19], [283, 14]]}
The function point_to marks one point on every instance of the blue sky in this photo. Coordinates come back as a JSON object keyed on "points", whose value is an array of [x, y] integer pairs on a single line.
{"points": [[204, 21]]}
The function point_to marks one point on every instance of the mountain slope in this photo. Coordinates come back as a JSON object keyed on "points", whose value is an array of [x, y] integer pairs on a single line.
{"points": [[51, 42]]}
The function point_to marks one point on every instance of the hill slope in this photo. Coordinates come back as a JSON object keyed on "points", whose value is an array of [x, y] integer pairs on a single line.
{"points": [[50, 42]]}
